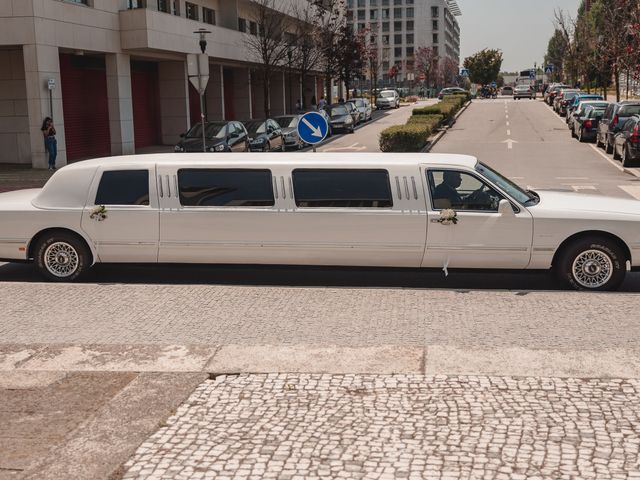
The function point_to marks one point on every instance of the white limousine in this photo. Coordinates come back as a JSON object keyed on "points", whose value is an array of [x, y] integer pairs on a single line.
{"points": [[408, 210]]}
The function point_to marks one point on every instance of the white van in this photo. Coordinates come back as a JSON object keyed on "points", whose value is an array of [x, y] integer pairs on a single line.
{"points": [[400, 210]]}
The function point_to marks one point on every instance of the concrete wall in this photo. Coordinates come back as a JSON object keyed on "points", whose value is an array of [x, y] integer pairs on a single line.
{"points": [[215, 101], [14, 115], [174, 101]]}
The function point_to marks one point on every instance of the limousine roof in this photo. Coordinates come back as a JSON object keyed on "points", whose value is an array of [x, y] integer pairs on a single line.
{"points": [[292, 158], [69, 186]]}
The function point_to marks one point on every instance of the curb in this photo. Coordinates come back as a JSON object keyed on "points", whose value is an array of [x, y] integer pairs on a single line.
{"points": [[434, 140]]}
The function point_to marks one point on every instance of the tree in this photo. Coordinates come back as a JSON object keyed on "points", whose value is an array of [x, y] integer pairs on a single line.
{"points": [[304, 50], [350, 53], [484, 66], [556, 51], [373, 63], [266, 45], [448, 71], [329, 22], [426, 63]]}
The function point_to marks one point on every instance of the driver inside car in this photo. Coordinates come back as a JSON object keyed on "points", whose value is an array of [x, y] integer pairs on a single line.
{"points": [[446, 194]]}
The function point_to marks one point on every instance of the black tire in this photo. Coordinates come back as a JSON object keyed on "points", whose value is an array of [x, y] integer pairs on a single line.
{"points": [[71, 248], [608, 264], [581, 136], [608, 148], [573, 133], [599, 144], [616, 155], [626, 162]]}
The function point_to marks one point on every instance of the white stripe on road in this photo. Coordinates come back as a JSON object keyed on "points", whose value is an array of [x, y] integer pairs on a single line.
{"points": [[577, 188], [611, 161], [572, 178], [507, 123], [508, 133], [633, 190]]}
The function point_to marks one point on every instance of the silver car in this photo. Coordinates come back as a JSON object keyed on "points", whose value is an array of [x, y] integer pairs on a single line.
{"points": [[364, 107], [524, 91], [388, 99]]}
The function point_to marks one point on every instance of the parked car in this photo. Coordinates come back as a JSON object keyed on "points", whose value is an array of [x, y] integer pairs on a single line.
{"points": [[626, 143], [524, 91], [388, 99], [364, 108], [450, 91], [564, 101], [552, 91], [219, 137], [264, 135], [583, 102], [353, 111], [321, 209], [341, 118], [575, 101], [585, 123], [507, 91], [560, 96], [612, 121], [289, 126], [325, 113]]}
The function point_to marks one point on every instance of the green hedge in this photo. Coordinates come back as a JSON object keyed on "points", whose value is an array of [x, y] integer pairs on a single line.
{"points": [[430, 110], [433, 121], [404, 138]]}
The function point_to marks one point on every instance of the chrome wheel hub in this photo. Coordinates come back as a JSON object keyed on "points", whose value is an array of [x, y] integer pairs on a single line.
{"points": [[61, 259], [592, 269]]}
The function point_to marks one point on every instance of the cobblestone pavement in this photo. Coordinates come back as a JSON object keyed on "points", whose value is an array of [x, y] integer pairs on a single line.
{"points": [[403, 426], [217, 315]]}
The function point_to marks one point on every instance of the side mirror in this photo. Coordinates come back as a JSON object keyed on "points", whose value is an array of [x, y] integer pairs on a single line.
{"points": [[505, 208]]}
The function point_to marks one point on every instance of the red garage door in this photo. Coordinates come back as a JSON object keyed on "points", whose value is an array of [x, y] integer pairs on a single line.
{"points": [[86, 110], [146, 103]]}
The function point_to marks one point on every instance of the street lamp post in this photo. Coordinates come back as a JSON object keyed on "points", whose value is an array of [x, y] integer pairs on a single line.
{"points": [[289, 64], [202, 33]]}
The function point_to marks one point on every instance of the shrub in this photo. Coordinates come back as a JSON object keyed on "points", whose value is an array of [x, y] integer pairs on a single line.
{"points": [[411, 99], [430, 110], [404, 138], [433, 121]]}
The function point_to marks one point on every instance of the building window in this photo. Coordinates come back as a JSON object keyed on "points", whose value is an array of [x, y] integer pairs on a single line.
{"points": [[203, 187], [361, 14], [397, 13], [397, 2], [385, 39], [435, 50], [410, 25], [397, 38], [410, 12], [373, 14], [342, 188], [373, 3], [208, 16], [385, 26], [349, 3], [132, 4], [163, 6], [397, 52], [84, 2], [397, 26], [434, 24], [123, 187], [175, 7], [385, 3], [409, 38], [385, 14], [409, 51], [435, 38], [253, 28], [242, 25], [191, 11], [435, 12], [361, 3]]}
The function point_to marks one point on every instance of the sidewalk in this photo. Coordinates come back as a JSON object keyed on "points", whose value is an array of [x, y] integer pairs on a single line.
{"points": [[17, 177]]}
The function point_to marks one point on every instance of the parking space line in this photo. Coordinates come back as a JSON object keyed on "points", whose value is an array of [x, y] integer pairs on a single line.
{"points": [[611, 161], [633, 190]]}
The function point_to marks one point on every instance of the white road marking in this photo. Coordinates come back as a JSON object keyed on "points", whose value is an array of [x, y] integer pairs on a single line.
{"points": [[577, 188], [517, 178], [510, 143], [611, 161], [507, 123], [633, 190], [572, 178], [508, 133], [353, 147], [507, 117]]}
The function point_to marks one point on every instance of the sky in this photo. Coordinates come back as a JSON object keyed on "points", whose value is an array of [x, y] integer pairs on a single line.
{"points": [[520, 28]]}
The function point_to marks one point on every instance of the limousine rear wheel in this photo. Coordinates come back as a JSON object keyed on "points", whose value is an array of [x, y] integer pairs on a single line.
{"points": [[595, 263], [62, 257]]}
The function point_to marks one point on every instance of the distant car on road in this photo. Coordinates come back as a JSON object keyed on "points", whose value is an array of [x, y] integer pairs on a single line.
{"points": [[626, 143], [507, 91], [552, 91], [264, 135], [575, 101], [388, 99], [341, 118], [219, 137], [585, 123], [565, 100], [450, 91], [524, 91], [581, 105], [364, 107]]}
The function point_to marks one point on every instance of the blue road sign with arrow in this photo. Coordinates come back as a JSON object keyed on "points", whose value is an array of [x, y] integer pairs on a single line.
{"points": [[312, 128]]}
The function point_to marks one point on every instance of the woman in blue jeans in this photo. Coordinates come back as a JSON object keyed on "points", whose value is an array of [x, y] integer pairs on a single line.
{"points": [[50, 142]]}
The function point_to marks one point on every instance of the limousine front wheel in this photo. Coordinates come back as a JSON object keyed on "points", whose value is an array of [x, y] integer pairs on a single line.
{"points": [[62, 257], [592, 264]]}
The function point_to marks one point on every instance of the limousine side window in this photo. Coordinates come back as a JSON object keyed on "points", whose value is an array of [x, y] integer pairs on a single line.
{"points": [[123, 187], [461, 191], [214, 187], [342, 188]]}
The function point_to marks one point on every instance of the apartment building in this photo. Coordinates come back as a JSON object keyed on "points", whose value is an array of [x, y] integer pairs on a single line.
{"points": [[400, 27], [112, 74]]}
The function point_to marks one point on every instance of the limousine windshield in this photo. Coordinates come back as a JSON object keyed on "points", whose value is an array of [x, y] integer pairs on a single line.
{"points": [[525, 197]]}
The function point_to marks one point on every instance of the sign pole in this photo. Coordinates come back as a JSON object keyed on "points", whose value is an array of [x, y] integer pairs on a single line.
{"points": [[204, 145]]}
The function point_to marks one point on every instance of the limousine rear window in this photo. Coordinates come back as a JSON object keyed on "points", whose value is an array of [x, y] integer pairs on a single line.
{"points": [[209, 187], [342, 188], [123, 187]]}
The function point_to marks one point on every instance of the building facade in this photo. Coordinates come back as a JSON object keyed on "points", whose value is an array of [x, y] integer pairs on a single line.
{"points": [[400, 27], [112, 74]]}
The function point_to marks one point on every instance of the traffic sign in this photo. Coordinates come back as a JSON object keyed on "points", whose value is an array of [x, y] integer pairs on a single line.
{"points": [[549, 68], [198, 71], [312, 128], [464, 72], [532, 74], [494, 84]]}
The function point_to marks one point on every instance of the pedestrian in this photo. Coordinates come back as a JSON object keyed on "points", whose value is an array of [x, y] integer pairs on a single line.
{"points": [[50, 142], [322, 103]]}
